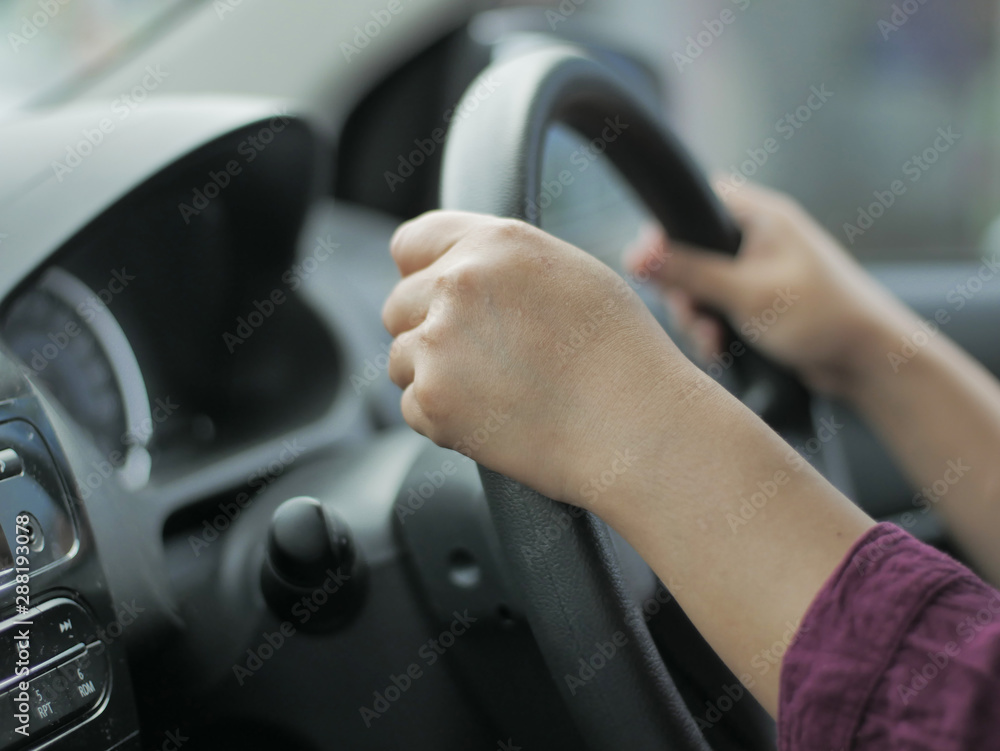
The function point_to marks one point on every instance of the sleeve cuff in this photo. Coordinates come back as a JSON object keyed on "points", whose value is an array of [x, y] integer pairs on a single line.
{"points": [[850, 634]]}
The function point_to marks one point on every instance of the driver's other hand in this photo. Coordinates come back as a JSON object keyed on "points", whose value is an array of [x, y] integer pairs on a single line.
{"points": [[792, 291], [525, 353]]}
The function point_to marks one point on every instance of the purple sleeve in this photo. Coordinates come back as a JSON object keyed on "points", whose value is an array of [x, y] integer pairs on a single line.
{"points": [[899, 650]]}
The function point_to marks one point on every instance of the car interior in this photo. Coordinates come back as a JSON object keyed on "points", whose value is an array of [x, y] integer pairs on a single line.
{"points": [[216, 529]]}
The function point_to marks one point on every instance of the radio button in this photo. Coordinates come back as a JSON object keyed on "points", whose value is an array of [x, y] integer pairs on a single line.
{"points": [[11, 464], [57, 696], [56, 627]]}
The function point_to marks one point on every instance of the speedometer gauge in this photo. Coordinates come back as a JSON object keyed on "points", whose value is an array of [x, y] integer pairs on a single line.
{"points": [[70, 341]]}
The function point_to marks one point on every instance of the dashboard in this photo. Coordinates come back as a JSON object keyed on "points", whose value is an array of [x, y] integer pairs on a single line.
{"points": [[149, 349], [149, 328]]}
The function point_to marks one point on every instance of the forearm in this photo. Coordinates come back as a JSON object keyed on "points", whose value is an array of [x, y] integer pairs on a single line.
{"points": [[939, 412], [745, 537]]}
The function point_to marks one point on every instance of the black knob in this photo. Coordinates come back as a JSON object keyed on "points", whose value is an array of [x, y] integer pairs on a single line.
{"points": [[312, 574]]}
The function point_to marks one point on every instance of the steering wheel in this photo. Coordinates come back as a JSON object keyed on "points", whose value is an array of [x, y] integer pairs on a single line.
{"points": [[576, 599]]}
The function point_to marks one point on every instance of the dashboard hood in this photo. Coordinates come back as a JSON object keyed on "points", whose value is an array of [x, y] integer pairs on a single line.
{"points": [[61, 168]]}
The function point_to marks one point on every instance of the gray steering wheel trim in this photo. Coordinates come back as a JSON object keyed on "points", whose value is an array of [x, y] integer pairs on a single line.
{"points": [[576, 599]]}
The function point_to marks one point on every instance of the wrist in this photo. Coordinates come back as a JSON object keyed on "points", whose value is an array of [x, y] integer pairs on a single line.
{"points": [[659, 446], [874, 345], [856, 350]]}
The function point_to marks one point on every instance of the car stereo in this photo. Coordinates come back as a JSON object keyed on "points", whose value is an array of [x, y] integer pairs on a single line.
{"points": [[63, 684]]}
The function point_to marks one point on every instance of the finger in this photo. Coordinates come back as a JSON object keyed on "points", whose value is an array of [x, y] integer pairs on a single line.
{"points": [[649, 247], [407, 304], [750, 201], [682, 307], [419, 242], [401, 361], [704, 333], [710, 277], [412, 412], [707, 336]]}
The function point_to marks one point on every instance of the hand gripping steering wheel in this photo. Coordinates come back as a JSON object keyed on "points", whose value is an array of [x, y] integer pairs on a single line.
{"points": [[574, 592]]}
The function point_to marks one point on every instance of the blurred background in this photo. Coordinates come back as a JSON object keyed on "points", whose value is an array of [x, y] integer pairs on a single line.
{"points": [[893, 86]]}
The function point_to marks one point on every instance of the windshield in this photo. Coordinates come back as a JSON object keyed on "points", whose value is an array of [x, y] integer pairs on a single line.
{"points": [[48, 44]]}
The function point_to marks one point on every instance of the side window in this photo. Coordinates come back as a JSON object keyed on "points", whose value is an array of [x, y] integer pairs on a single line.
{"points": [[838, 104], [48, 43]]}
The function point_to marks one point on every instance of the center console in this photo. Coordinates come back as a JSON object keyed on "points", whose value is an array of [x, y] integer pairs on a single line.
{"points": [[64, 682]]}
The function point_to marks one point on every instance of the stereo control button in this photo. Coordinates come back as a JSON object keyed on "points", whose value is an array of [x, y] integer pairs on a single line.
{"points": [[57, 696], [56, 627], [11, 464]]}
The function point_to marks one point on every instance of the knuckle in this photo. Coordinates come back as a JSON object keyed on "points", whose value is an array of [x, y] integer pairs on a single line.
{"points": [[505, 232], [387, 314], [398, 346], [397, 245], [414, 319], [460, 278], [430, 397]]}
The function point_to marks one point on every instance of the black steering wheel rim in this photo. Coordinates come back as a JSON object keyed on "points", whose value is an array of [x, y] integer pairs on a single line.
{"points": [[518, 100], [576, 599]]}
